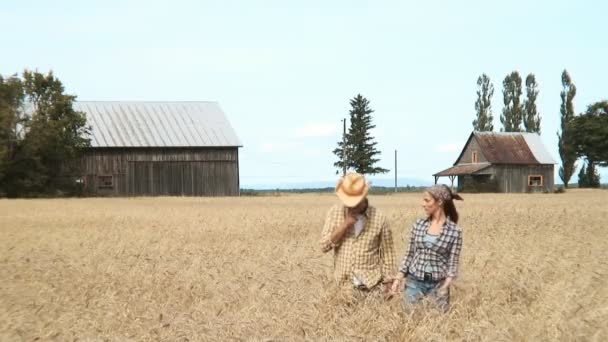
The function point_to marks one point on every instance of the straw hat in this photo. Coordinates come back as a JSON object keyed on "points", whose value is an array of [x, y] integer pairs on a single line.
{"points": [[351, 189]]}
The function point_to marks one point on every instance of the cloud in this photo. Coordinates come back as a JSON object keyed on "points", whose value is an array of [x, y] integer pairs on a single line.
{"points": [[317, 130], [445, 148]]}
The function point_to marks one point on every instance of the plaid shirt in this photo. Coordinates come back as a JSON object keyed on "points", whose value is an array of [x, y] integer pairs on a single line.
{"points": [[442, 256], [371, 255]]}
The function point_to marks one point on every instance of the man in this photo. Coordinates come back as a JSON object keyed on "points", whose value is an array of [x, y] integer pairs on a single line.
{"points": [[359, 236]]}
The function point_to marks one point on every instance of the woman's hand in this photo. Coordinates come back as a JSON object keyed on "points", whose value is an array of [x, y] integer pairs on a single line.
{"points": [[396, 282], [443, 289]]}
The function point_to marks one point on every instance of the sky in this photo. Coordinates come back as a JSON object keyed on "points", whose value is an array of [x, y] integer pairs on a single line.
{"points": [[284, 71]]}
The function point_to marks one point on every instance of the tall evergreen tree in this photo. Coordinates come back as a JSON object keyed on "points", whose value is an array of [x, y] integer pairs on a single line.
{"points": [[567, 152], [483, 105], [512, 113], [532, 117], [361, 153]]}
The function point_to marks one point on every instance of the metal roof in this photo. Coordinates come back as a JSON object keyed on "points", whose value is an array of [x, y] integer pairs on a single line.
{"points": [[538, 148], [158, 124], [463, 169]]}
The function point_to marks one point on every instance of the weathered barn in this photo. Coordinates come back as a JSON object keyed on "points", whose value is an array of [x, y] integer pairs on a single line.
{"points": [[503, 162], [160, 149]]}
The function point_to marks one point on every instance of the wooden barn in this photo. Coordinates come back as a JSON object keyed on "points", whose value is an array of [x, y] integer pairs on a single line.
{"points": [[160, 149], [502, 162]]}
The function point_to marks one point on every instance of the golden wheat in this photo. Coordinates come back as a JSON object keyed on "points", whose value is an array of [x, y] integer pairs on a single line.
{"points": [[533, 268]]}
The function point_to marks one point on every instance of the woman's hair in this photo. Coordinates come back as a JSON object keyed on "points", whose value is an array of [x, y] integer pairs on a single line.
{"points": [[450, 210]]}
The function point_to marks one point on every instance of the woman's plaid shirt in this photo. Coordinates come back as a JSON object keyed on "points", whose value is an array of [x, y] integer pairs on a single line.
{"points": [[371, 255], [442, 256]]}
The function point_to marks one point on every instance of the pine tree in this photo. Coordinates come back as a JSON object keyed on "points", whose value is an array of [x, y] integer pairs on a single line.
{"points": [[512, 113], [532, 117], [483, 105], [361, 153], [567, 152]]}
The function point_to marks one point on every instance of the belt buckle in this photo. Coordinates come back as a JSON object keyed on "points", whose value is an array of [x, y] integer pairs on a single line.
{"points": [[428, 277]]}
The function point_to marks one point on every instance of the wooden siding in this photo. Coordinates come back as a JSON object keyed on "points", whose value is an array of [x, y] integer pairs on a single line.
{"points": [[511, 178], [164, 171], [514, 178], [466, 155]]}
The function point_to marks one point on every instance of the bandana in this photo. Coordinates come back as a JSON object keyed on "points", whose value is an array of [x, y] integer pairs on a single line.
{"points": [[442, 192]]}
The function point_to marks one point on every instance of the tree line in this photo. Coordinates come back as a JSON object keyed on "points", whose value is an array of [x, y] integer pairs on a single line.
{"points": [[582, 136], [41, 136]]}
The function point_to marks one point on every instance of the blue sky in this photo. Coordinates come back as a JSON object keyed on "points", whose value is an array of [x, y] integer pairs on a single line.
{"points": [[284, 71]]}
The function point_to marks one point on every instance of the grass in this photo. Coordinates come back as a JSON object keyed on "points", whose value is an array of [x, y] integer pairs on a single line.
{"points": [[534, 268]]}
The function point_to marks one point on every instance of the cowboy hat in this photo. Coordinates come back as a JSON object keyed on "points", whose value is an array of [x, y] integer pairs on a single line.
{"points": [[352, 189]]}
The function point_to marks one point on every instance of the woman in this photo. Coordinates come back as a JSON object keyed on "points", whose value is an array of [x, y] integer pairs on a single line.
{"points": [[431, 264]]}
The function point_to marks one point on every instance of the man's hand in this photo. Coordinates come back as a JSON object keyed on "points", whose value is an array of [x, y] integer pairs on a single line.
{"points": [[349, 221], [338, 234]]}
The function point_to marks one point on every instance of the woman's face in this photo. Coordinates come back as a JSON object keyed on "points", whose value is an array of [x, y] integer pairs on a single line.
{"points": [[430, 205]]}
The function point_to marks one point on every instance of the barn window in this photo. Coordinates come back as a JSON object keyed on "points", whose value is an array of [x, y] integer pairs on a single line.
{"points": [[474, 157], [105, 182], [535, 180]]}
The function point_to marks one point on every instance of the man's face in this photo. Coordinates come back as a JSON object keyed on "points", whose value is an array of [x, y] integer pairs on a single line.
{"points": [[359, 208]]}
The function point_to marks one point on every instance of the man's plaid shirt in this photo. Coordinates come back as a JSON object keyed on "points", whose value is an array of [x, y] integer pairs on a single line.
{"points": [[371, 255], [442, 256]]}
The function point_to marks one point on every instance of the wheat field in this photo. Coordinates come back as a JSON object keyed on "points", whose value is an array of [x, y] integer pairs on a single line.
{"points": [[533, 268]]}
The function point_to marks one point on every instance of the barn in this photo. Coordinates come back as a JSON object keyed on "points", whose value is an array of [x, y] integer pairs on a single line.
{"points": [[502, 162], [160, 149]]}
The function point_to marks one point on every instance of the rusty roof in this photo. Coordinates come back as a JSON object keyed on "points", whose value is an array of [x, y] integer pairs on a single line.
{"points": [[463, 169], [511, 148], [505, 148]]}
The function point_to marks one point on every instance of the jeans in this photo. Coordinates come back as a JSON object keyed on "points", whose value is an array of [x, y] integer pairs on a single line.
{"points": [[416, 289]]}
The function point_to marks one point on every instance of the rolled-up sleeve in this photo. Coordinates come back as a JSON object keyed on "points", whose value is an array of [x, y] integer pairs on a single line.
{"points": [[409, 257], [455, 255], [328, 229]]}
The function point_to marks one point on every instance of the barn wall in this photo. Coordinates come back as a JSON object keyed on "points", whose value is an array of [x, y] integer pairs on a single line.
{"points": [[163, 171], [514, 178], [467, 155]]}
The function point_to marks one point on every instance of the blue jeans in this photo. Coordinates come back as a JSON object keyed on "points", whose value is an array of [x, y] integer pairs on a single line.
{"points": [[416, 289]]}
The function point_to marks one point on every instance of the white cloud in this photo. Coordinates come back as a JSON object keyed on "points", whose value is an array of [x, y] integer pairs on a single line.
{"points": [[317, 130], [445, 148]]}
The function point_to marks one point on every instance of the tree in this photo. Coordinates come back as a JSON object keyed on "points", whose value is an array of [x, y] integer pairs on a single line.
{"points": [[588, 177], [512, 114], [11, 123], [588, 134], [46, 137], [566, 152], [361, 153], [483, 105], [532, 117], [583, 182]]}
